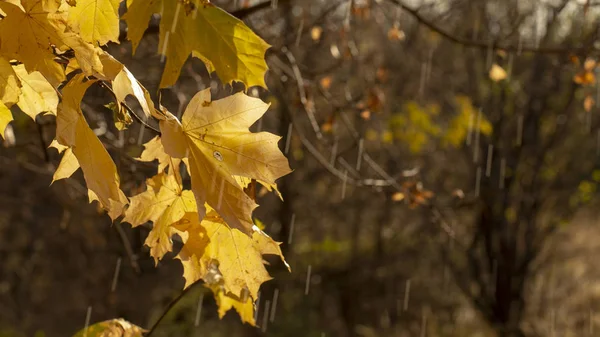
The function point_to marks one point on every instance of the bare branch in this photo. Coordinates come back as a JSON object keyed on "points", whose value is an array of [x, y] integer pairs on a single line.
{"points": [[486, 45]]}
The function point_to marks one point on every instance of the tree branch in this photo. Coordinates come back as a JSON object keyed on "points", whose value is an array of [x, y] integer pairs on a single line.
{"points": [[244, 12], [487, 45]]}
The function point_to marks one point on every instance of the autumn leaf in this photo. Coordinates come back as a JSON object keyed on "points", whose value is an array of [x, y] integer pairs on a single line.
{"points": [[588, 103], [227, 301], [96, 21], [497, 73], [164, 203], [237, 255], [586, 75], [315, 33], [5, 118], [99, 170], [395, 33], [67, 166], [111, 328], [215, 136], [9, 83], [222, 41], [125, 84], [42, 28], [37, 95]]}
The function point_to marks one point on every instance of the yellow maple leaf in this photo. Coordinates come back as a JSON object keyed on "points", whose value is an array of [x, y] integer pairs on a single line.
{"points": [[237, 256], [112, 328], [227, 301], [97, 21], [98, 168], [225, 43], [164, 203], [9, 83], [37, 94], [5, 118], [215, 136], [67, 166], [497, 73], [153, 150], [42, 26], [125, 84]]}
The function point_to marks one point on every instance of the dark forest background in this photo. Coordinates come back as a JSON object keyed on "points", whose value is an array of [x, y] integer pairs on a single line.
{"points": [[446, 160]]}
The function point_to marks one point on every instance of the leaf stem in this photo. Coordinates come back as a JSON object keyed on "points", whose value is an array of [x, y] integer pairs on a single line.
{"points": [[170, 306], [138, 118]]}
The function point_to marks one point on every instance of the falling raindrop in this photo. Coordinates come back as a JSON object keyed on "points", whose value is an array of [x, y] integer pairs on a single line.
{"points": [[288, 139], [509, 67], [121, 142], [360, 153], [176, 18], [199, 310], [344, 184], [423, 322], [488, 168], [221, 188], [591, 322], [429, 62], [195, 13], [422, 80], [477, 136], [299, 34], [274, 305], [490, 52], [257, 307], [478, 181], [598, 144], [164, 48], [88, 316], [519, 130], [292, 221], [265, 320], [406, 294], [274, 4], [113, 286], [470, 129], [502, 172], [307, 286], [333, 152], [141, 135]]}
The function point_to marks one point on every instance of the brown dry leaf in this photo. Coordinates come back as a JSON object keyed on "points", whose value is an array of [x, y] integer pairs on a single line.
{"points": [[365, 114], [382, 74], [395, 33], [325, 82]]}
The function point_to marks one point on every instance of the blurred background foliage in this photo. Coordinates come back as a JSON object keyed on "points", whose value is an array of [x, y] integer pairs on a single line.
{"points": [[446, 160]]}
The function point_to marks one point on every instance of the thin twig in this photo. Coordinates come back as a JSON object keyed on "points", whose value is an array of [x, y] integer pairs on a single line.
{"points": [[128, 249], [131, 112], [486, 45], [170, 306], [244, 12]]}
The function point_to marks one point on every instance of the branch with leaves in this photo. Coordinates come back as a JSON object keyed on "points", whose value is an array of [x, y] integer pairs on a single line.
{"points": [[50, 56]]}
